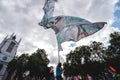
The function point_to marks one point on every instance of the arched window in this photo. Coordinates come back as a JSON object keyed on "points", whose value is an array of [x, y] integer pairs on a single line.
{"points": [[11, 46]]}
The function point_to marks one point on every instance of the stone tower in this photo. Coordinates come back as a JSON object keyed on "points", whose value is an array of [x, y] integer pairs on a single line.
{"points": [[8, 49]]}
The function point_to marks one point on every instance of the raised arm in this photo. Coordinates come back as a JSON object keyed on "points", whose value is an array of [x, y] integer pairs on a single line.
{"points": [[48, 12]]}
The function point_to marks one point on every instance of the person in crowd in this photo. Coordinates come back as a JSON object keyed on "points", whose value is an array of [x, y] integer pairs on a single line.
{"points": [[89, 77], [79, 77], [52, 73], [59, 72]]}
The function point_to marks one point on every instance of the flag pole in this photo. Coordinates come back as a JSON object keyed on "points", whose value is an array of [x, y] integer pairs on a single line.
{"points": [[58, 56]]}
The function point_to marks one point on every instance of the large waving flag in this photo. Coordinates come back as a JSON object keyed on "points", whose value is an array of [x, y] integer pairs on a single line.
{"points": [[67, 28]]}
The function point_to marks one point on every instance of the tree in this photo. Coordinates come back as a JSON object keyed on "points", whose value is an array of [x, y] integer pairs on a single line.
{"points": [[75, 60], [17, 67], [37, 64], [85, 59], [21, 65], [114, 43], [12, 66], [77, 56], [98, 51], [113, 51]]}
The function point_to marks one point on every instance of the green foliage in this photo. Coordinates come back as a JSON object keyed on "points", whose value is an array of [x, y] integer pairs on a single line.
{"points": [[35, 63], [81, 60], [75, 57], [93, 59], [115, 43]]}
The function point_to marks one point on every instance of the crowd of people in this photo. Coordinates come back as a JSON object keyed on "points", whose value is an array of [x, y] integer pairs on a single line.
{"points": [[58, 72], [109, 73]]}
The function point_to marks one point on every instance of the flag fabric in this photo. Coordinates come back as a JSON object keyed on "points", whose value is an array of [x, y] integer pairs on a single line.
{"points": [[67, 28], [48, 10], [112, 69]]}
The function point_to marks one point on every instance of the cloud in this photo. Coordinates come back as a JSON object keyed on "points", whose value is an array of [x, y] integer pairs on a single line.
{"points": [[93, 10], [22, 17]]}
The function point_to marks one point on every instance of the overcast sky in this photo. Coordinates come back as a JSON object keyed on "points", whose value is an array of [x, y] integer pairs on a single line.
{"points": [[22, 17]]}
